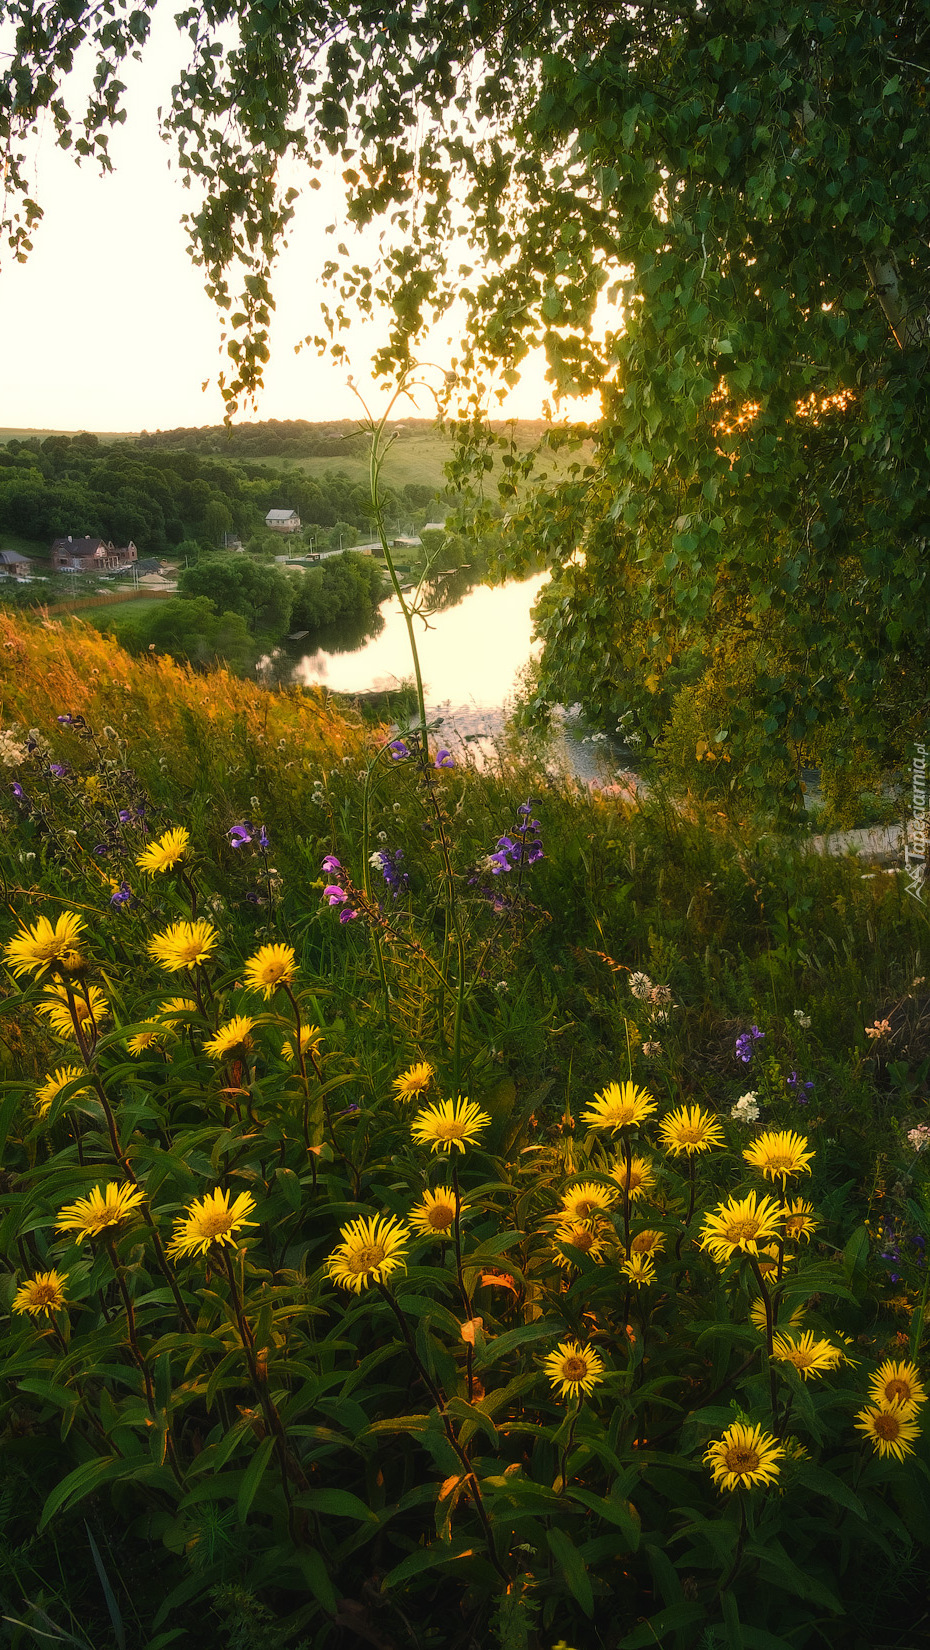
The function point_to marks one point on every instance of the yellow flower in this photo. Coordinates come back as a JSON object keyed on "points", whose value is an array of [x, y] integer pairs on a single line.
{"points": [[574, 1369], [43, 1293], [34, 949], [897, 1384], [809, 1355], [778, 1153], [89, 1009], [740, 1226], [639, 1182], [689, 1130], [890, 1431], [174, 1007], [53, 1085], [800, 1221], [183, 945], [584, 1200], [164, 854], [744, 1455], [449, 1125], [435, 1214], [639, 1269], [310, 1039], [619, 1107], [232, 1038], [369, 1252], [90, 1216], [210, 1220], [767, 1260], [150, 1037], [758, 1319], [648, 1242], [271, 966], [414, 1081], [577, 1236]]}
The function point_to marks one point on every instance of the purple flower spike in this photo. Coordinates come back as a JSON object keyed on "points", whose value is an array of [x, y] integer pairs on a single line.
{"points": [[534, 852], [239, 835], [122, 897], [335, 895], [398, 750], [263, 842], [331, 863], [444, 759]]}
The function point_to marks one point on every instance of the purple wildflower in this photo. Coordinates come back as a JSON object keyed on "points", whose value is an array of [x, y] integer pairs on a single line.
{"points": [[744, 1044], [398, 750], [59, 769], [125, 816], [65, 720], [18, 791], [122, 896], [534, 852], [331, 863], [239, 835], [348, 914], [101, 849], [263, 842], [335, 895], [444, 759], [389, 865], [801, 1090]]}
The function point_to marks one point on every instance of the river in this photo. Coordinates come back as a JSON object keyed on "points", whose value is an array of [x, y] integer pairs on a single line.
{"points": [[471, 657]]}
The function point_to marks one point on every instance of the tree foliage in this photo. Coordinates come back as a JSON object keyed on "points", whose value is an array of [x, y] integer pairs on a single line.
{"points": [[715, 215]]}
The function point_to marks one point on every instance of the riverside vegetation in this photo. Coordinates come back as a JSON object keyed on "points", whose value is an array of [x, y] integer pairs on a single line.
{"points": [[440, 1207]]}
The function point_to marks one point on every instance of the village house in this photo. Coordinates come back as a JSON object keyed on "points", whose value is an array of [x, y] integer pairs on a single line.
{"points": [[13, 565], [283, 521], [77, 555]]}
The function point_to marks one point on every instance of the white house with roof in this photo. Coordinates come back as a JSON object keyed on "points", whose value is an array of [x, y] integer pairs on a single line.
{"points": [[283, 521]]}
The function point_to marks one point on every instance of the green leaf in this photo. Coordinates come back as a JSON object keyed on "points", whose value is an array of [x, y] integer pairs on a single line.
{"points": [[82, 1481], [252, 1477], [572, 1565], [336, 1503], [656, 1630], [426, 1558], [828, 1484], [855, 1256]]}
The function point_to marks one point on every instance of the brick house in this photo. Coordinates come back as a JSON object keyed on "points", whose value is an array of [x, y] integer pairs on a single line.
{"points": [[92, 555], [13, 565]]}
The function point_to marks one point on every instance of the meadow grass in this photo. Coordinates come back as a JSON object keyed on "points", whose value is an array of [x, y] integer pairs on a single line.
{"points": [[318, 1428]]}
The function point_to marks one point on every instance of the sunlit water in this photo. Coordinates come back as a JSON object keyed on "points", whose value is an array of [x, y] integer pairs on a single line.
{"points": [[471, 657]]}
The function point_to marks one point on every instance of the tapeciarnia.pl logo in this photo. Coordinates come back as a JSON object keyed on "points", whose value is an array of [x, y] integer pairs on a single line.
{"points": [[917, 837]]}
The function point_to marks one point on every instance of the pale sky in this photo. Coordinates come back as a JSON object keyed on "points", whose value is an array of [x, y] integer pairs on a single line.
{"points": [[107, 327]]}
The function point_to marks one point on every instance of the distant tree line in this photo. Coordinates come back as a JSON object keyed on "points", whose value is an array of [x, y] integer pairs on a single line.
{"points": [[166, 499]]}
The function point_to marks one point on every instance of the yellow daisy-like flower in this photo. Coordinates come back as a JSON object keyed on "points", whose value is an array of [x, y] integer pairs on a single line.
{"points": [[800, 1221], [779, 1153], [450, 1125], [90, 1009], [577, 1236], [434, 1215], [34, 949], [45, 1293], [573, 1369], [232, 1038], [164, 854], [369, 1252], [809, 1354], [174, 1007], [211, 1220], [744, 1455], [758, 1319], [584, 1200], [310, 1039], [689, 1130], [897, 1383], [890, 1431], [619, 1107], [741, 1226], [184, 945], [639, 1269], [271, 966], [640, 1180], [767, 1260], [647, 1242], [414, 1081], [53, 1085], [90, 1216], [149, 1037]]}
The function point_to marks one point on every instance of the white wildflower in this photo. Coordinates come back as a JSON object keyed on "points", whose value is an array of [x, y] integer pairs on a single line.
{"points": [[919, 1137], [804, 1020], [746, 1109], [641, 986]]}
